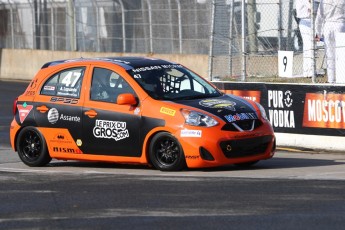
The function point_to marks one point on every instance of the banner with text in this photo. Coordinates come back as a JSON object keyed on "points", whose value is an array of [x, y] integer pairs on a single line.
{"points": [[303, 109]]}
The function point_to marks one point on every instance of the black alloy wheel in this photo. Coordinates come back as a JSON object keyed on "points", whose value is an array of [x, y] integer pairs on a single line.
{"points": [[166, 153], [32, 147]]}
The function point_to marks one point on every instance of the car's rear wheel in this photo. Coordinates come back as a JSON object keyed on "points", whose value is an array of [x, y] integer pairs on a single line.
{"points": [[166, 153], [32, 147]]}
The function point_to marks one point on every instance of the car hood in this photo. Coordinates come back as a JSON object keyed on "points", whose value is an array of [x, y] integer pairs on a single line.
{"points": [[229, 108]]}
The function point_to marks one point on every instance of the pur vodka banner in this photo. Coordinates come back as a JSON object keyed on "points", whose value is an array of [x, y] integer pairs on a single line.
{"points": [[294, 108]]}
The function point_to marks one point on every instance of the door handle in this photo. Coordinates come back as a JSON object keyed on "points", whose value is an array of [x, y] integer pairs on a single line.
{"points": [[91, 113], [42, 108]]}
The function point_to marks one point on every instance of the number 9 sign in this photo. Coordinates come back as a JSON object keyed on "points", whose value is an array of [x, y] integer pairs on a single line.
{"points": [[285, 63]]}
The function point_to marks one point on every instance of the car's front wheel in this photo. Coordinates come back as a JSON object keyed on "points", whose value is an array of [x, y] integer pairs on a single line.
{"points": [[166, 153], [32, 147]]}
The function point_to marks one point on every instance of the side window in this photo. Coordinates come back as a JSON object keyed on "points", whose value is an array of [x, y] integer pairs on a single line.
{"points": [[66, 83], [107, 85]]}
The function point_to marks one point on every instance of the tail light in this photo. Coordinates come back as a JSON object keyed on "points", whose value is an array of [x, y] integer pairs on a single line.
{"points": [[14, 109]]}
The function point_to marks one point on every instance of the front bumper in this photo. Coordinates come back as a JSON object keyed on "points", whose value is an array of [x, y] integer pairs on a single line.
{"points": [[218, 147]]}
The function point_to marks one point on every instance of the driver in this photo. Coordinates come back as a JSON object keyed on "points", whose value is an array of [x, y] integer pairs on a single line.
{"points": [[150, 81]]}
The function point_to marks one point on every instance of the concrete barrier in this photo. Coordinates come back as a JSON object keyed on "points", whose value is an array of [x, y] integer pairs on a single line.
{"points": [[23, 64]]}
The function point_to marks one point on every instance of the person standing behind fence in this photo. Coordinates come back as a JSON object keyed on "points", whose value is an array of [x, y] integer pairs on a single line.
{"points": [[304, 14], [330, 20]]}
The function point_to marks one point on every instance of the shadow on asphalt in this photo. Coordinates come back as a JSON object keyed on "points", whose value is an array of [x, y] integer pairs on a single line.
{"points": [[274, 163], [282, 163], [277, 162]]}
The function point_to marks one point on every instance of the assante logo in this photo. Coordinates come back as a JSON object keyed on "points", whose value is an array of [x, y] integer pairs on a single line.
{"points": [[54, 116]]}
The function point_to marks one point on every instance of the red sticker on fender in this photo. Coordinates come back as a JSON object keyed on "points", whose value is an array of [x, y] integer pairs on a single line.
{"points": [[24, 111]]}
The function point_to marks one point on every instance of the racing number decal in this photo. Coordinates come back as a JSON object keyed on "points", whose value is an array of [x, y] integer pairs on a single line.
{"points": [[285, 62], [71, 79]]}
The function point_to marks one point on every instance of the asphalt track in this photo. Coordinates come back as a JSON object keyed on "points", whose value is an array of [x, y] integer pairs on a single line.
{"points": [[294, 190]]}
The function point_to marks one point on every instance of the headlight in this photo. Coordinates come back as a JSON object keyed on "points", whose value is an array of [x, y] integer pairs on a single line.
{"points": [[262, 111], [198, 119]]}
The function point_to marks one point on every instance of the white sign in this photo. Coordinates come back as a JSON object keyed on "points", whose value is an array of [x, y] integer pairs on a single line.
{"points": [[340, 57], [285, 63]]}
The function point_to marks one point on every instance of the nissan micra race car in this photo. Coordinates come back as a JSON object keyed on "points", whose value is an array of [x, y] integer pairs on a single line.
{"points": [[135, 110]]}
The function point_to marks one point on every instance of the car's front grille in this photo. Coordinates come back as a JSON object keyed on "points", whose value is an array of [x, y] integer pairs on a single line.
{"points": [[245, 147], [246, 125]]}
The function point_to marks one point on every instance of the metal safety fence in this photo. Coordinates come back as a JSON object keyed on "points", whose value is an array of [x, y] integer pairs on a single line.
{"points": [[242, 37], [140, 26], [247, 37]]}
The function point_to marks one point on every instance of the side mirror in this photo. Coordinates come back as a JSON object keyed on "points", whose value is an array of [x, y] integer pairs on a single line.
{"points": [[126, 99]]}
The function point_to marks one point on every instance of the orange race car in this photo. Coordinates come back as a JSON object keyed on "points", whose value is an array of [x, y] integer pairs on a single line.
{"points": [[135, 110]]}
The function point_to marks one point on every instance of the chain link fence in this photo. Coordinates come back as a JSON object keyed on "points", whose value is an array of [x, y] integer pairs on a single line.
{"points": [[237, 51], [138, 26], [241, 51]]}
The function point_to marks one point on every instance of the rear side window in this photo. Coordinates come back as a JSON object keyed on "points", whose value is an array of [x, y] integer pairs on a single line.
{"points": [[66, 83]]}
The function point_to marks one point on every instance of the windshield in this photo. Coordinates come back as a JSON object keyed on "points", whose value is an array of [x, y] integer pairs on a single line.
{"points": [[172, 82]]}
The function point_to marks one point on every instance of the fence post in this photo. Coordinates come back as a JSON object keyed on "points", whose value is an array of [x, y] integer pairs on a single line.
{"points": [[33, 25], [12, 29], [150, 24], [52, 23], [313, 16], [231, 23], [171, 26], [123, 26], [179, 25], [71, 20], [45, 25], [37, 32], [210, 55], [252, 33], [98, 27], [280, 27], [244, 61], [289, 43]]}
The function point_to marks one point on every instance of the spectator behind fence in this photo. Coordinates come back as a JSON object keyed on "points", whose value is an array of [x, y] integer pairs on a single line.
{"points": [[330, 20], [303, 11]]}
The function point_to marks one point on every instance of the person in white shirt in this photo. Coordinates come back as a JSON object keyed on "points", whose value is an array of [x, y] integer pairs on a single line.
{"points": [[304, 14], [330, 20]]}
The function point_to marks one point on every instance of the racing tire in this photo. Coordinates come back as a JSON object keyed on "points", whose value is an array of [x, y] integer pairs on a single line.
{"points": [[32, 147], [166, 153]]}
